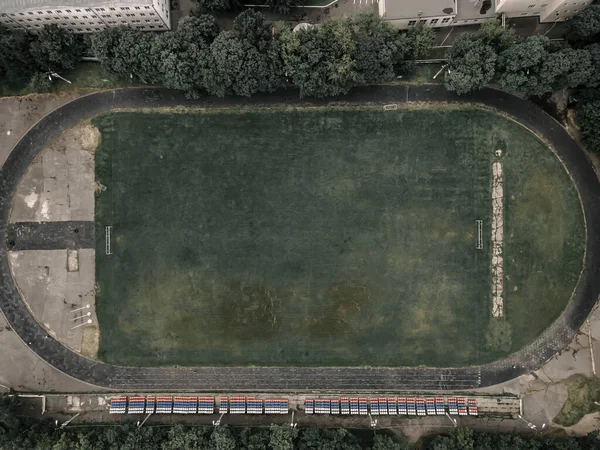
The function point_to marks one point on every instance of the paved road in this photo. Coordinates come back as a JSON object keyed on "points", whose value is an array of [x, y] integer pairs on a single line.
{"points": [[552, 340]]}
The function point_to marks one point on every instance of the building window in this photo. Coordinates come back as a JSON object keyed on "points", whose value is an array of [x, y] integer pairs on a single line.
{"points": [[524, 14], [536, 13], [446, 20], [142, 15], [148, 20], [434, 21], [137, 7], [420, 21], [147, 7], [531, 6], [112, 9], [78, 10]]}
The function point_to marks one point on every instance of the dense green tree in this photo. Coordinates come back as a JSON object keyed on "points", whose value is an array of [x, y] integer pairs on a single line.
{"points": [[57, 48], [327, 439], [473, 57], [415, 43], [237, 67], [9, 423], [520, 66], [254, 439], [320, 61], [384, 442], [182, 438], [182, 64], [106, 47], [584, 27], [567, 68], [202, 29], [222, 439], [588, 118], [492, 33], [458, 439], [40, 82], [594, 78], [471, 65], [217, 5], [377, 47], [16, 61], [282, 437], [252, 26], [284, 6]]}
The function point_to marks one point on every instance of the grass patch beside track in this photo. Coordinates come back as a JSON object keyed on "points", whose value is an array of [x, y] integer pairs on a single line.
{"points": [[582, 393], [324, 236]]}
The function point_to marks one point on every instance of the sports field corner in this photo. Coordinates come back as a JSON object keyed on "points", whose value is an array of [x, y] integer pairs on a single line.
{"points": [[338, 236]]}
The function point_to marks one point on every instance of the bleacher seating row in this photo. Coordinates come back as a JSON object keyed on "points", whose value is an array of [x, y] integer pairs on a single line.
{"points": [[406, 406]]}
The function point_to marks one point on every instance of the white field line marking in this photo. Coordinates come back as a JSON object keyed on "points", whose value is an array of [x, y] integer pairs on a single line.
{"points": [[390, 107], [497, 240], [479, 234], [108, 236]]}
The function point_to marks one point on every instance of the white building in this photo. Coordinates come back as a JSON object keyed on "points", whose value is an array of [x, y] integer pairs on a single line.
{"points": [[406, 13], [85, 16], [438, 13], [547, 10]]}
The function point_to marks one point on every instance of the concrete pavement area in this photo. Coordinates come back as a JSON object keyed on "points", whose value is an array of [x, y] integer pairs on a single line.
{"points": [[58, 287], [20, 368]]}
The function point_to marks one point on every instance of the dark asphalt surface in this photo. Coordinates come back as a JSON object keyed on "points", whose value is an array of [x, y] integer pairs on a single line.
{"points": [[555, 338], [50, 235]]}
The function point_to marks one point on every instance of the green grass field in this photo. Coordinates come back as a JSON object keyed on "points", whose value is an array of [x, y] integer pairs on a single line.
{"points": [[325, 237]]}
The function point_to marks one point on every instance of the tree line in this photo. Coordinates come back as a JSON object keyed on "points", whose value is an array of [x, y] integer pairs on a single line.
{"points": [[259, 56], [534, 65], [19, 433], [255, 56]]}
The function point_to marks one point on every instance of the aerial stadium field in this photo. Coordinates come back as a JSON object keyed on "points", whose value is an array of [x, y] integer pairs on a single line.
{"points": [[326, 237]]}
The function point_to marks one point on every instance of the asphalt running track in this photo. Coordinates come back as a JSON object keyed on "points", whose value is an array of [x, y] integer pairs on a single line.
{"points": [[554, 339]]}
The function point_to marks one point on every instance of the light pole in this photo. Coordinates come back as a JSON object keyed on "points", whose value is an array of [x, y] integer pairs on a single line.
{"points": [[217, 422], [452, 419], [529, 424], [293, 424], [373, 421], [68, 421]]}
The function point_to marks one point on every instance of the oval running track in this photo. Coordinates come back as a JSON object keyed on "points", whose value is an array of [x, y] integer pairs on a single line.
{"points": [[552, 340]]}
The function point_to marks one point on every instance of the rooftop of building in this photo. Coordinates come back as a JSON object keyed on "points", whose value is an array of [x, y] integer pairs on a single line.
{"points": [[12, 6], [471, 9], [409, 9]]}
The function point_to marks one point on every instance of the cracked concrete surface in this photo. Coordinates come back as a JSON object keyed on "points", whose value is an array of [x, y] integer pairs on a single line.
{"points": [[59, 185], [57, 296]]}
